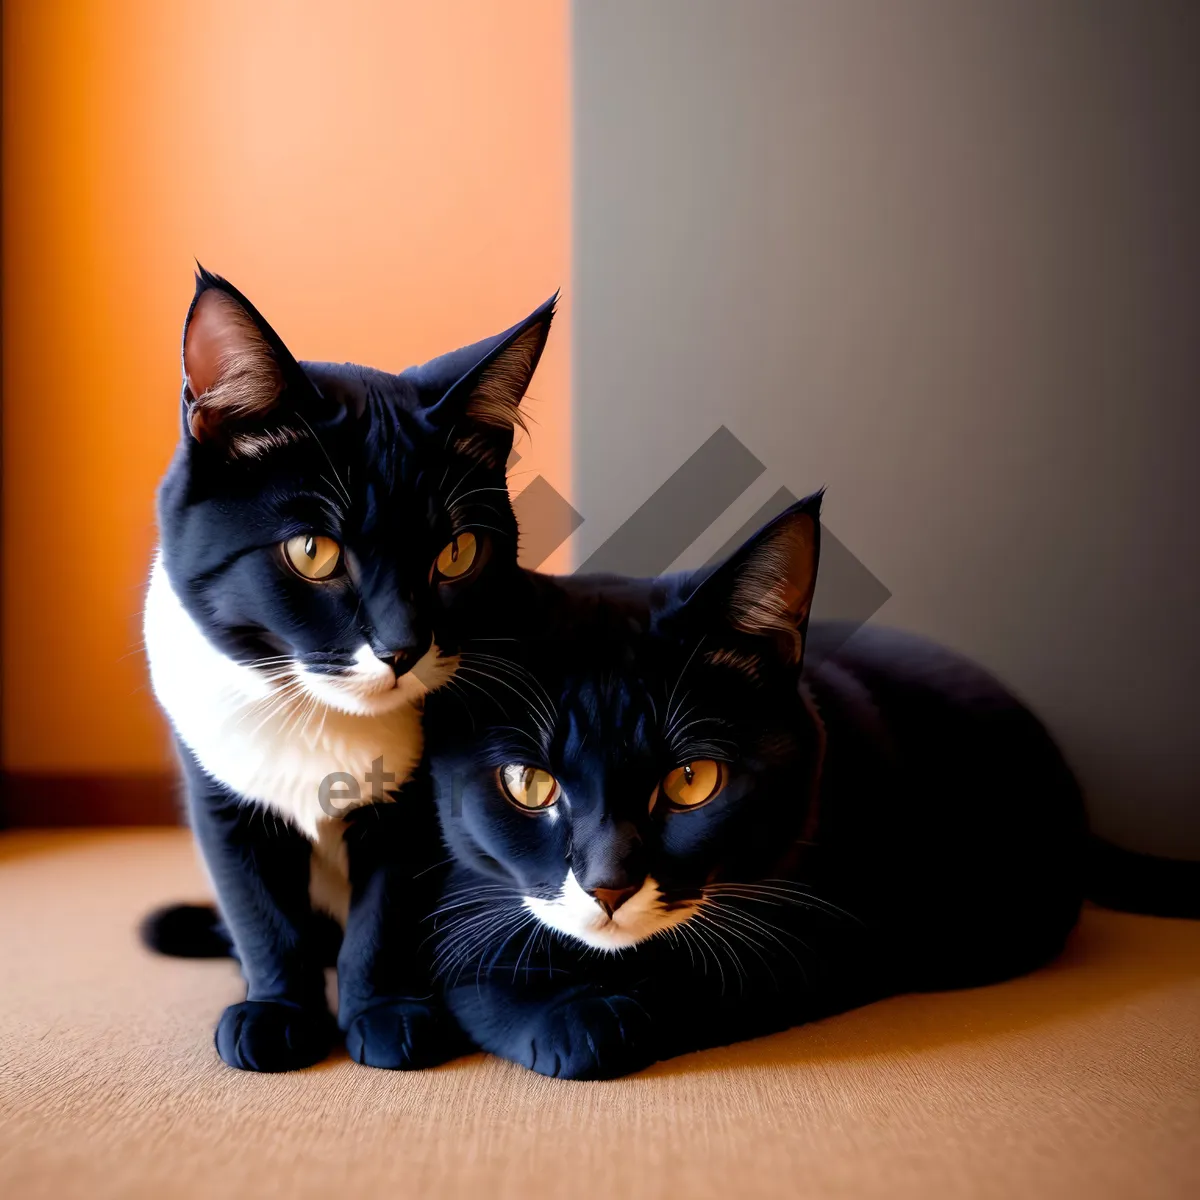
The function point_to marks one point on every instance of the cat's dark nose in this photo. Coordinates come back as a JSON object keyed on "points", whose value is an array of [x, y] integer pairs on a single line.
{"points": [[403, 661], [610, 899]]}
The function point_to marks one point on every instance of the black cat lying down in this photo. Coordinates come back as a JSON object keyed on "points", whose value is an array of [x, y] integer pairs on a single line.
{"points": [[679, 817], [670, 833]]}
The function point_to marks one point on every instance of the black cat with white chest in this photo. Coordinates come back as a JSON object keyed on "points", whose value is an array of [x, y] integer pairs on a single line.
{"points": [[332, 538], [671, 833]]}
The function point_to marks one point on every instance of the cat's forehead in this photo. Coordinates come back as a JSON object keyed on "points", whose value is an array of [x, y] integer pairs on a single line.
{"points": [[375, 453], [357, 389], [608, 700], [642, 685], [605, 725], [609, 659]]}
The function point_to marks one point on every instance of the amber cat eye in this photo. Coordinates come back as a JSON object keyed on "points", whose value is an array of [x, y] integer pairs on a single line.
{"points": [[312, 556], [457, 558], [528, 787], [694, 783]]}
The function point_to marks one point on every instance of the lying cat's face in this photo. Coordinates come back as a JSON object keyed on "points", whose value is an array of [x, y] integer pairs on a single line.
{"points": [[632, 761], [334, 527]]}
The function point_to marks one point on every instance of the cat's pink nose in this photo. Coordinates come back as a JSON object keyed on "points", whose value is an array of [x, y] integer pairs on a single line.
{"points": [[402, 661], [610, 899]]}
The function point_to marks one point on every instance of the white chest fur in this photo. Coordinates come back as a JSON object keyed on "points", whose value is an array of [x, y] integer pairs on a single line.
{"points": [[268, 744]]}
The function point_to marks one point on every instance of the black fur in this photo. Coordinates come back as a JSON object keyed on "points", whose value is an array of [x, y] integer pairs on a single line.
{"points": [[893, 819], [392, 467]]}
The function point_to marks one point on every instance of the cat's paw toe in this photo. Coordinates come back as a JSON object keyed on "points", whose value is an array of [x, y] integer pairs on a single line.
{"points": [[591, 1037], [264, 1035], [404, 1035]]}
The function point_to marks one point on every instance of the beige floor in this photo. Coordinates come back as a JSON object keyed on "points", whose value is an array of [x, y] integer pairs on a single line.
{"points": [[1082, 1080]]}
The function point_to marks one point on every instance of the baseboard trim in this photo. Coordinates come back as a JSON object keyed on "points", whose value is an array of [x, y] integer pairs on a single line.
{"points": [[30, 800]]}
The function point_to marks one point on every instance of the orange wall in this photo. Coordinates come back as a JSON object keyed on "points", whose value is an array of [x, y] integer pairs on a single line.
{"points": [[386, 180]]}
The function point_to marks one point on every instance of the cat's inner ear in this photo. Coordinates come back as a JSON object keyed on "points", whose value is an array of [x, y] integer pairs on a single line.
{"points": [[494, 401], [231, 374], [479, 388], [769, 583]]}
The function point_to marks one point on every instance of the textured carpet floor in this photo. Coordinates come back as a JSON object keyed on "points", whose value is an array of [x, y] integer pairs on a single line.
{"points": [[1081, 1080]]}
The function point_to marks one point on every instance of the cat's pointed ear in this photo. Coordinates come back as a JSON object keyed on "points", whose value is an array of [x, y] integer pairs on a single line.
{"points": [[765, 588], [235, 369], [475, 393]]}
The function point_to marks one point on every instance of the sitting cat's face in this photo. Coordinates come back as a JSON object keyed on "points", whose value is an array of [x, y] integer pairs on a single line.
{"points": [[336, 528], [638, 757]]}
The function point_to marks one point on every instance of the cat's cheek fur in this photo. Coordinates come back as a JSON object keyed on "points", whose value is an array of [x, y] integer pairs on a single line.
{"points": [[266, 751], [370, 688], [577, 915]]}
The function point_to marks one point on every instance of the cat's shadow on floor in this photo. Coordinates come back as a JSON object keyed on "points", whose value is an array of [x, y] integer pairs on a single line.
{"points": [[1111, 958]]}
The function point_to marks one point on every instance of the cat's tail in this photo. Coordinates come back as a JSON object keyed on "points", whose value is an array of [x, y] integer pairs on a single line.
{"points": [[187, 931], [197, 931], [1142, 883]]}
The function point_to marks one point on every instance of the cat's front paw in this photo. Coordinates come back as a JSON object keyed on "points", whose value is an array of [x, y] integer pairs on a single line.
{"points": [[402, 1034], [590, 1036], [268, 1035]]}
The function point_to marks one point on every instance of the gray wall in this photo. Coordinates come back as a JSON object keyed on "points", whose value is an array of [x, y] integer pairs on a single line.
{"points": [[941, 256]]}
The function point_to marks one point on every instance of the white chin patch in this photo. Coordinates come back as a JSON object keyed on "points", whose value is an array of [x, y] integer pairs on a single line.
{"points": [[576, 914], [371, 688]]}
